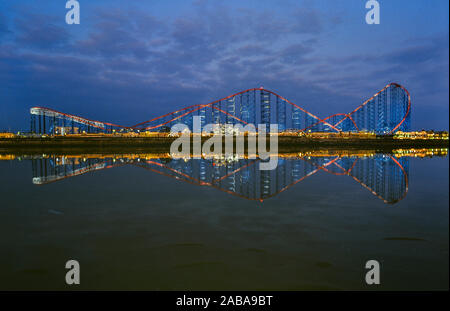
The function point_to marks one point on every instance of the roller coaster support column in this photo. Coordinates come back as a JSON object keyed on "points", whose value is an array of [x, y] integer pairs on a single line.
{"points": [[281, 115], [43, 119], [265, 109], [33, 124]]}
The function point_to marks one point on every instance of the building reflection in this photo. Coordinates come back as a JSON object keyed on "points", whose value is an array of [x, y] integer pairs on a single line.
{"points": [[384, 175]]}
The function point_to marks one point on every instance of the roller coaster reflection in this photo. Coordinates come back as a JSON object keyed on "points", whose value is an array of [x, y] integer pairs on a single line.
{"points": [[385, 176]]}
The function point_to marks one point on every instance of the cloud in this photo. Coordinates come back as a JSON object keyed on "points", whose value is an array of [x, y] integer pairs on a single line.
{"points": [[4, 30], [40, 31], [415, 55], [118, 33], [309, 21], [295, 53]]}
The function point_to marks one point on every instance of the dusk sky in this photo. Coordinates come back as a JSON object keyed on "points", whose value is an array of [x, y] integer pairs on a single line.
{"points": [[129, 61]]}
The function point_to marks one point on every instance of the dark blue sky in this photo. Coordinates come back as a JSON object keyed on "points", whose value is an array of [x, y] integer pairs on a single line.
{"points": [[129, 61]]}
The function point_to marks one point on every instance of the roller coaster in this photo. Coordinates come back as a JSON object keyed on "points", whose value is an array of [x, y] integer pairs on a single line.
{"points": [[386, 112]]}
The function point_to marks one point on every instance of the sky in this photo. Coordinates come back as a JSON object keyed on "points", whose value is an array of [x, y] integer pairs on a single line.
{"points": [[129, 61]]}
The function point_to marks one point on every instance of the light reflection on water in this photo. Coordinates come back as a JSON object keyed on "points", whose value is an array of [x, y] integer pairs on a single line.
{"points": [[385, 176], [146, 221]]}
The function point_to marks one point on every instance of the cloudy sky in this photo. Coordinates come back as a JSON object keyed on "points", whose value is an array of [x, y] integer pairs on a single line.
{"points": [[129, 61]]}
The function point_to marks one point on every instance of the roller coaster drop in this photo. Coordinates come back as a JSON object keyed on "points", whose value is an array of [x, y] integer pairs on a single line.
{"points": [[387, 111]]}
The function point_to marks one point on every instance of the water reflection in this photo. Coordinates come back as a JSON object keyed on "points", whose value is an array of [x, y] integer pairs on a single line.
{"points": [[384, 175]]}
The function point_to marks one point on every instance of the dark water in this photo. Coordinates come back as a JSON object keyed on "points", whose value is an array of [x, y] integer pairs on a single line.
{"points": [[148, 222]]}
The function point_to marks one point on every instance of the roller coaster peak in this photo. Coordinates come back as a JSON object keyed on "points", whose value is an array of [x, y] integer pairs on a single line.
{"points": [[385, 112]]}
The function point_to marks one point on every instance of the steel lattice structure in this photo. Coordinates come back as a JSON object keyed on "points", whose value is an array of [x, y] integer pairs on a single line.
{"points": [[387, 111], [384, 176]]}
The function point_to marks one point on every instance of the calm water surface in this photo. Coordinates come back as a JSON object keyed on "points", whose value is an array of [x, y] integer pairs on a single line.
{"points": [[152, 223]]}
